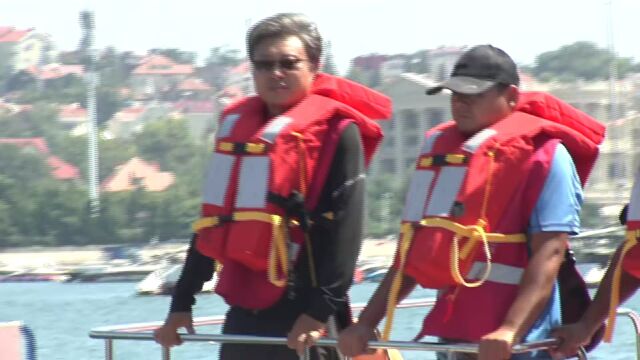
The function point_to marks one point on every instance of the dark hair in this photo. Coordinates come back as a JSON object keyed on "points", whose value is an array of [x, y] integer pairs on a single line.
{"points": [[501, 87], [287, 24]]}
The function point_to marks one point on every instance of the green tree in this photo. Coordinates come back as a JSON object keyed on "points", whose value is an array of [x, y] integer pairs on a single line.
{"points": [[39, 209], [358, 75], [385, 196], [177, 55], [328, 64], [580, 60], [115, 67], [168, 143], [217, 65], [6, 66]]}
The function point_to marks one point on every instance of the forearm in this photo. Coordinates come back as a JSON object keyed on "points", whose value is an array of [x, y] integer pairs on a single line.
{"points": [[598, 310], [536, 284], [196, 271], [376, 308]]}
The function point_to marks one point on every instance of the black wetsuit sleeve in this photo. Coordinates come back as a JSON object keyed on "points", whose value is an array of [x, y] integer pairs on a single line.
{"points": [[197, 270], [336, 243]]}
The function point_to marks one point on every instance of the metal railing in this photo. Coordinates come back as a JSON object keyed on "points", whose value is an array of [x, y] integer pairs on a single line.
{"points": [[144, 332]]}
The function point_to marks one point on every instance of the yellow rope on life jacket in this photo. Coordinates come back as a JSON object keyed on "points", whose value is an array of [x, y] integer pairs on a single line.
{"points": [[406, 238], [474, 233], [278, 252], [302, 185], [631, 239]]}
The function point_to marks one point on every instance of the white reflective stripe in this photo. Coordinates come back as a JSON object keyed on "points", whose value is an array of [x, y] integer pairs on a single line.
{"points": [[275, 127], [254, 181], [500, 273], [427, 147], [478, 139], [217, 178], [634, 202], [417, 195], [446, 190], [228, 123]]}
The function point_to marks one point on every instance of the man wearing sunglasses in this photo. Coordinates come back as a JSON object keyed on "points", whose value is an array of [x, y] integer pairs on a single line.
{"points": [[494, 196], [283, 199]]}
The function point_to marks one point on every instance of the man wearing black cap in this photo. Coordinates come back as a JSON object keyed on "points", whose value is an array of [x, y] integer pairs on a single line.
{"points": [[493, 175]]}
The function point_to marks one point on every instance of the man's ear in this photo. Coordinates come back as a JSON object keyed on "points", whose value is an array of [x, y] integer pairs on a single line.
{"points": [[512, 95]]}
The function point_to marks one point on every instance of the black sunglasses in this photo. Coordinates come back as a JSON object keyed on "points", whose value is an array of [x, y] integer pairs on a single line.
{"points": [[286, 64]]}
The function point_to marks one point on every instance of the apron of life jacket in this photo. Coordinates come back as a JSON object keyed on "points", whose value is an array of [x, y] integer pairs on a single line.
{"points": [[469, 204], [629, 258], [265, 179]]}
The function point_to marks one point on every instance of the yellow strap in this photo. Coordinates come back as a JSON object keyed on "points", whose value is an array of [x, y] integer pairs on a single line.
{"points": [[614, 300], [278, 253], [312, 264], [426, 161], [472, 231], [453, 159], [204, 223], [406, 231], [237, 216], [329, 215], [455, 263], [256, 216], [225, 146], [252, 148]]}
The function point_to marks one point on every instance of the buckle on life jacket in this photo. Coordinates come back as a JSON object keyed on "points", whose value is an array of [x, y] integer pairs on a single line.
{"points": [[293, 205], [242, 148], [443, 159]]}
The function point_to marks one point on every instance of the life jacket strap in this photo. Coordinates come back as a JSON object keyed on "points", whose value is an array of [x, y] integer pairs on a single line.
{"points": [[631, 240], [242, 148], [443, 159]]}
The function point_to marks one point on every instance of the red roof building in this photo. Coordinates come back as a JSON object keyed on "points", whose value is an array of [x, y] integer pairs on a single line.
{"points": [[137, 173], [10, 34], [60, 169], [56, 71], [162, 65]]}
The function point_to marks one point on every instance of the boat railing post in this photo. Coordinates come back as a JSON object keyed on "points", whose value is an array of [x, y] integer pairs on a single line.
{"points": [[582, 354], [635, 320], [108, 349]]}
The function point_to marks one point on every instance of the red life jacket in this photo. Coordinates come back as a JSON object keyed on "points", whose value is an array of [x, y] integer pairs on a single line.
{"points": [[259, 170], [629, 258], [469, 204]]}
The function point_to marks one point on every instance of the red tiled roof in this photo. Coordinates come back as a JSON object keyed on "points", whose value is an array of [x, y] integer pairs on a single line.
{"points": [[13, 109], [194, 106], [131, 113], [162, 65], [10, 34], [39, 143], [243, 68], [369, 62], [72, 111], [137, 172], [194, 85], [55, 71], [60, 169]]}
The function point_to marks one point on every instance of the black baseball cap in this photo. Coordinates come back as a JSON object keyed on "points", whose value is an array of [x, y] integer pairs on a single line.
{"points": [[478, 69]]}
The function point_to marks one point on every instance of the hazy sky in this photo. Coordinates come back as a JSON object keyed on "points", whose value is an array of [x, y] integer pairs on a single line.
{"points": [[355, 27]]}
